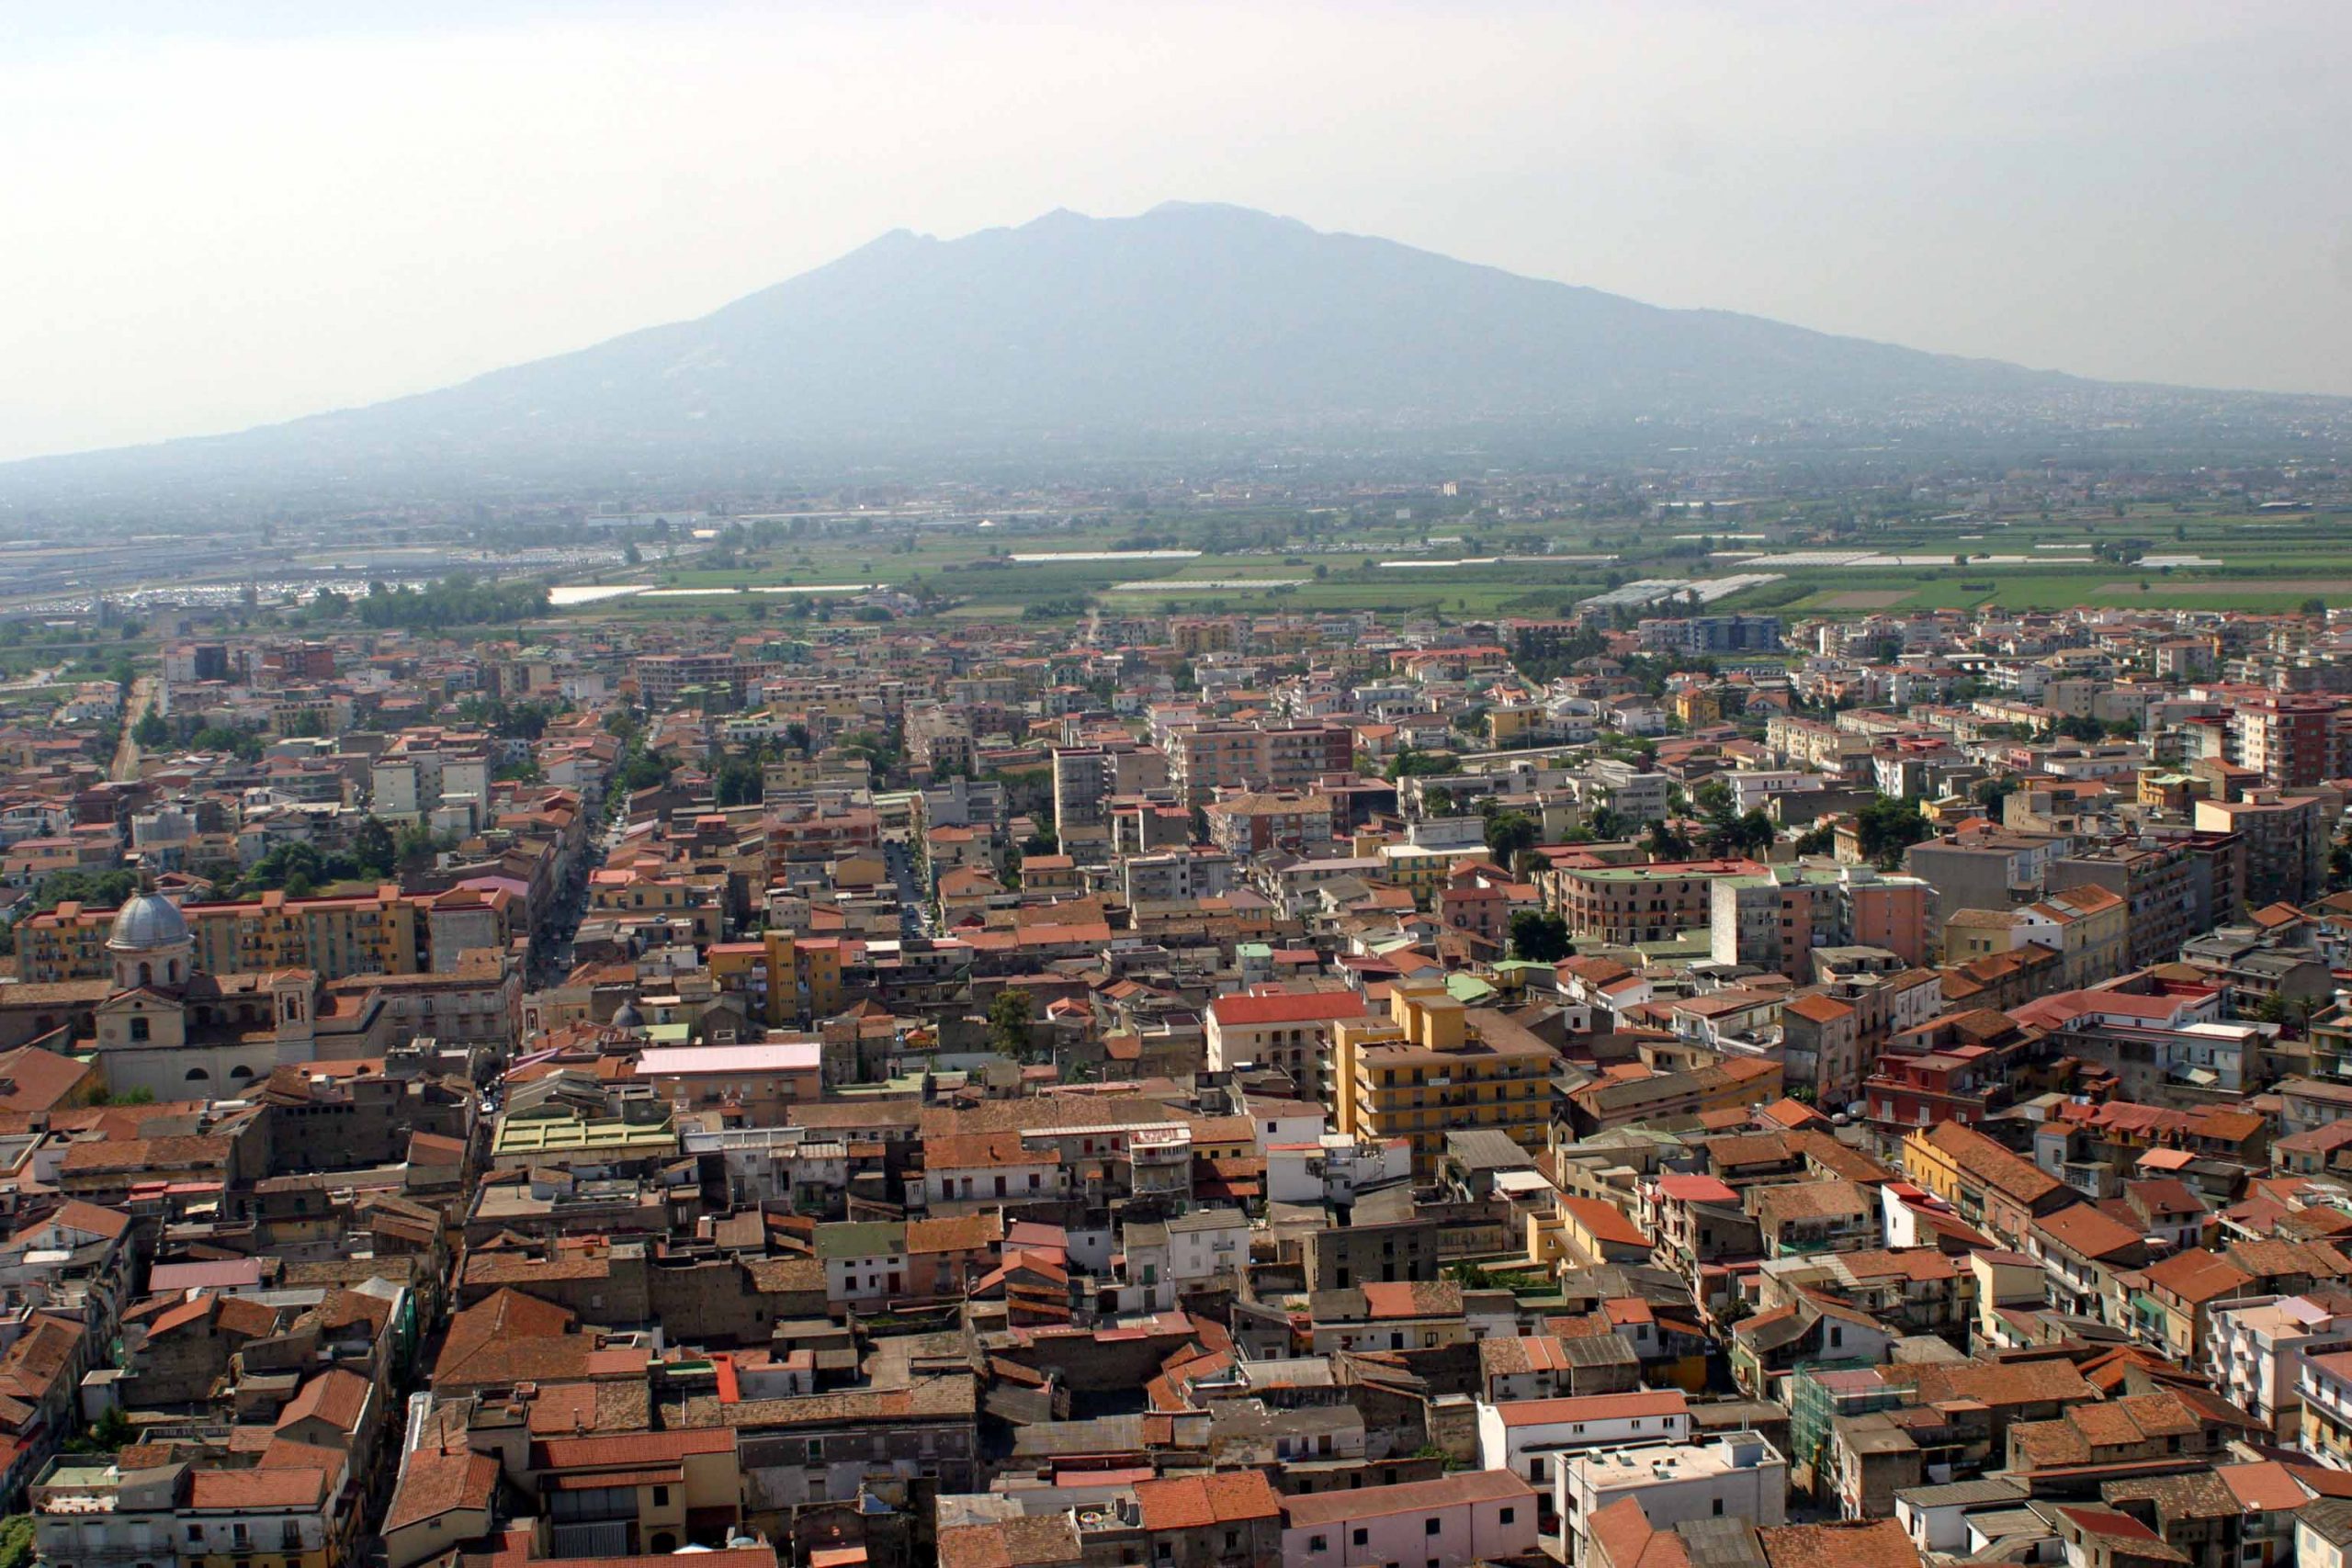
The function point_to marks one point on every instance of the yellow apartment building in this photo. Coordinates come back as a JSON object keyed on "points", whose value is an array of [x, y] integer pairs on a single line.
{"points": [[1432, 1065], [367, 934]]}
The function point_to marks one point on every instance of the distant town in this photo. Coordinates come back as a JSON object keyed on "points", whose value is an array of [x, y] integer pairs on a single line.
{"points": [[1765, 1015]]}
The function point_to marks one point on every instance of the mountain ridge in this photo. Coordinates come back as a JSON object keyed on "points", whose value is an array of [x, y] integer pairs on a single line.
{"points": [[1191, 322]]}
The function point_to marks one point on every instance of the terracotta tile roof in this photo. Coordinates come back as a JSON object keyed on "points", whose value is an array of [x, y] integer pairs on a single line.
{"points": [[2087, 1232], [2197, 1276], [337, 1397], [1594, 1407], [1623, 1533], [1412, 1298], [966, 1233], [512, 1338], [1191, 1503], [1997, 1383], [1984, 1160], [1605, 1222], [1856, 1543], [632, 1451], [242, 1489], [1457, 1490], [1044, 1541]]}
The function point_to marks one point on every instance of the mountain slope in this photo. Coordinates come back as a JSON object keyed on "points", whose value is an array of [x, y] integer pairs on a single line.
{"points": [[1188, 322]]}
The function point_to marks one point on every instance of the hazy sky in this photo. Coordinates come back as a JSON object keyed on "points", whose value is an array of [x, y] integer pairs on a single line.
{"points": [[216, 214]]}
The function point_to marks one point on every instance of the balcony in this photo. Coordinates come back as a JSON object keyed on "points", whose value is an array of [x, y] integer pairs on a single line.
{"points": [[1160, 1146]]}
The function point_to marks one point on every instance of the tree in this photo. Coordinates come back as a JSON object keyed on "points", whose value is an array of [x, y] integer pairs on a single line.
{"points": [[643, 770], [106, 1434], [1750, 834], [2314, 606], [2075, 726], [1511, 834], [738, 781], [151, 731], [1540, 937], [1009, 1017], [1887, 827], [414, 849], [1990, 793], [373, 846], [98, 890], [1408, 764], [17, 1545], [631, 555], [1668, 842]]}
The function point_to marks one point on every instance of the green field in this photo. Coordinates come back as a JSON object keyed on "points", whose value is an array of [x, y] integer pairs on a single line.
{"points": [[1261, 561]]}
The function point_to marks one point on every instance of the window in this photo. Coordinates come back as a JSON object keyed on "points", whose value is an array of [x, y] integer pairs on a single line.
{"points": [[1510, 1516], [1428, 1527], [1318, 1543], [139, 1029], [1361, 1537], [661, 1496], [1719, 1507]]}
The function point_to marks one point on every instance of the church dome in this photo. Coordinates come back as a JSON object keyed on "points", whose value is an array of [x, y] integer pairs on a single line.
{"points": [[628, 1017], [149, 923]]}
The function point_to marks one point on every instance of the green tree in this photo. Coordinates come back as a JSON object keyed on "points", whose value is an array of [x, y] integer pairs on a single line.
{"points": [[738, 781], [2076, 727], [1409, 763], [106, 1434], [1511, 834], [1540, 936], [1990, 793], [95, 890], [151, 731], [1888, 826], [16, 1546], [375, 849], [1009, 1016]]}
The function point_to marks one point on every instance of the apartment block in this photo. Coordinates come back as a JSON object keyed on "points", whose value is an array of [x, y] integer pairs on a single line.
{"points": [[1429, 1067]]}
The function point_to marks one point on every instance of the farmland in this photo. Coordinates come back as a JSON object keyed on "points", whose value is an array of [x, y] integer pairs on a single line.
{"points": [[1185, 563]]}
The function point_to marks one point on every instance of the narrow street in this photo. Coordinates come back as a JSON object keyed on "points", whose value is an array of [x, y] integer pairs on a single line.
{"points": [[126, 753]]}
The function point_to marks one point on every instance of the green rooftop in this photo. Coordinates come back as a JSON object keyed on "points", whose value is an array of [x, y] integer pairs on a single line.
{"points": [[864, 1239]]}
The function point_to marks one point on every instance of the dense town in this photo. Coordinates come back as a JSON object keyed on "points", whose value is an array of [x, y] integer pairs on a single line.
{"points": [[1647, 1087]]}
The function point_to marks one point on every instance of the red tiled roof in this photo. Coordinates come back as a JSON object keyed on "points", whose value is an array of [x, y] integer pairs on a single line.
{"points": [[1310, 1008], [1201, 1502], [1593, 1407]]}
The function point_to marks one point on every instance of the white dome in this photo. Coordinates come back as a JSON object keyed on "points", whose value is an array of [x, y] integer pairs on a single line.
{"points": [[149, 923]]}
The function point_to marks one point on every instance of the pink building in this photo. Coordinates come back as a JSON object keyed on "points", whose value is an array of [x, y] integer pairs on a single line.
{"points": [[1465, 1518]]}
